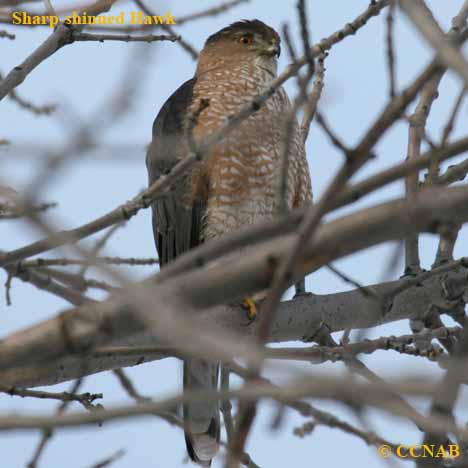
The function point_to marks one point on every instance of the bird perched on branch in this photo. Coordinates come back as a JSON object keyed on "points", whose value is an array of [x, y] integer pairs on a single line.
{"points": [[235, 184]]}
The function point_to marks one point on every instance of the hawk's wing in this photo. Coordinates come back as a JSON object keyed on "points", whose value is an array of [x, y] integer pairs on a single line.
{"points": [[176, 227], [176, 215]]}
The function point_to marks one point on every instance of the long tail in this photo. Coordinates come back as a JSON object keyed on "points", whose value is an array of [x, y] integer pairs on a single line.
{"points": [[201, 419]]}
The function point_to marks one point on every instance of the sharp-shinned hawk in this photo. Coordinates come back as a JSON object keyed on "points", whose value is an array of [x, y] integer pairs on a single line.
{"points": [[235, 185]]}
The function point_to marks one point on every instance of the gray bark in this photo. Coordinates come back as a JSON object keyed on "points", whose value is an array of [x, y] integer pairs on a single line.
{"points": [[61, 348]]}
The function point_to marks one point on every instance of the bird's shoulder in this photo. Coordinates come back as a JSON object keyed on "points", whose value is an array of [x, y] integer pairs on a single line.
{"points": [[167, 145], [170, 118]]}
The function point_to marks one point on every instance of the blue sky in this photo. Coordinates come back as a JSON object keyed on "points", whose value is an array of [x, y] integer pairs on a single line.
{"points": [[81, 78]]}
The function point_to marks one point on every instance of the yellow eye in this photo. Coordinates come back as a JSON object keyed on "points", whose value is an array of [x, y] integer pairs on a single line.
{"points": [[246, 40]]}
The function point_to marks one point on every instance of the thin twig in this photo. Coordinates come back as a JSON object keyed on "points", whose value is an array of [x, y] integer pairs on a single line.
{"points": [[75, 280], [13, 211], [453, 117], [44, 282], [168, 415], [109, 460], [226, 406], [166, 27], [7, 35], [305, 35], [47, 433], [311, 104], [213, 11], [290, 127], [289, 43], [391, 48], [79, 36], [192, 121], [44, 262], [368, 292], [358, 190], [424, 135], [128, 386], [417, 124], [448, 237], [404, 344], [335, 140], [85, 399]]}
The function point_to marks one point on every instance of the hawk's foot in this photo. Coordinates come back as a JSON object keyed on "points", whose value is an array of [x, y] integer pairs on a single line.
{"points": [[251, 307]]}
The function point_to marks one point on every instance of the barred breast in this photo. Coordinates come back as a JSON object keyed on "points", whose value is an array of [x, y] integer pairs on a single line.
{"points": [[241, 175]]}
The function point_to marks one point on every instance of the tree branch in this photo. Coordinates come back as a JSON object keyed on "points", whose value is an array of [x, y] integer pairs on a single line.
{"points": [[79, 36], [60, 37], [120, 317]]}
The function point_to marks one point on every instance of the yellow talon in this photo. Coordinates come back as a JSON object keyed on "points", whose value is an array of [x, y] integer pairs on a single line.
{"points": [[252, 310]]}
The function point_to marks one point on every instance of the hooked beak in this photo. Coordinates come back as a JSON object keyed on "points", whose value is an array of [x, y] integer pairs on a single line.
{"points": [[272, 50]]}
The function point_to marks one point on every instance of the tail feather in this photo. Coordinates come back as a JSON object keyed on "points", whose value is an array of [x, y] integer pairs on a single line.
{"points": [[202, 422]]}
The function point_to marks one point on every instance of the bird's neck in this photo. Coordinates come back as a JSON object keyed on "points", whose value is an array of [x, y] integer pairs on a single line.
{"points": [[233, 71]]}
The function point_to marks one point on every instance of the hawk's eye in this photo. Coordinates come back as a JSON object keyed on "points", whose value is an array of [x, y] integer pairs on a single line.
{"points": [[246, 40]]}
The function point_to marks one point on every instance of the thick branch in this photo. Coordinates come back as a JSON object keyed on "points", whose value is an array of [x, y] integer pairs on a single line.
{"points": [[118, 318]]}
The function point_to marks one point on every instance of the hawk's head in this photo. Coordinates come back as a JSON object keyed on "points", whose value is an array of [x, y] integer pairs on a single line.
{"points": [[244, 40]]}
